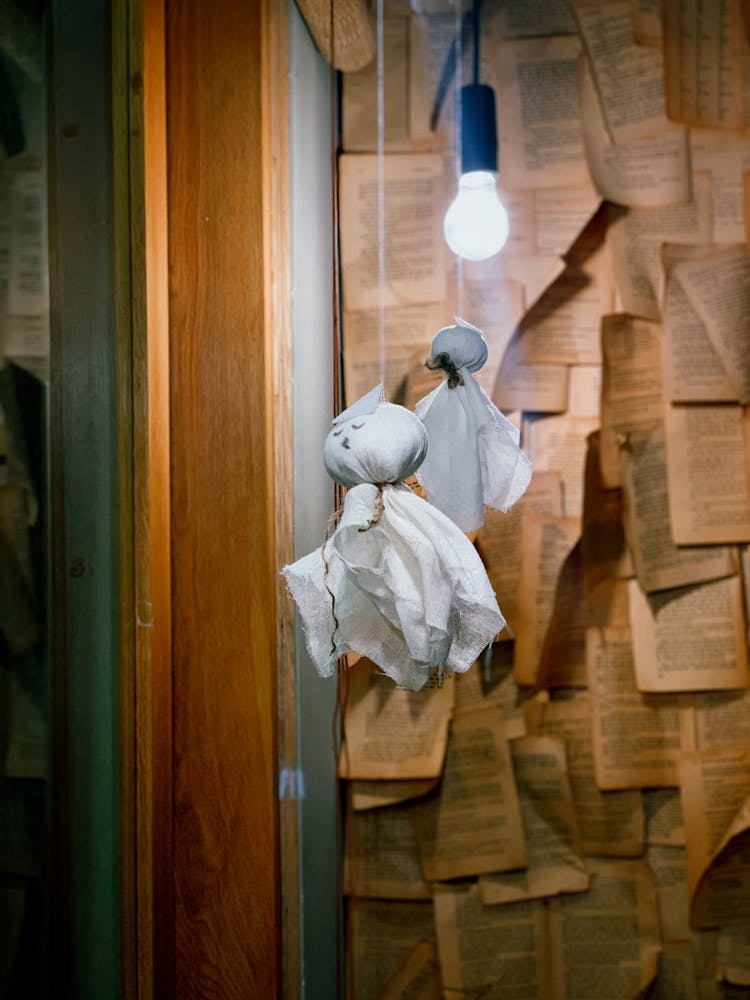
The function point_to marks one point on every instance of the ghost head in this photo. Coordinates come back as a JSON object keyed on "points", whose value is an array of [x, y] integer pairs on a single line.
{"points": [[385, 445], [464, 345]]}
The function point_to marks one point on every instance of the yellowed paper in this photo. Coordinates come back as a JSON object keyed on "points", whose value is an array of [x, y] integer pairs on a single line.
{"points": [[707, 476], [584, 390], [608, 604], [474, 824], [432, 36], [646, 16], [534, 272], [380, 855], [499, 540], [718, 288], [414, 246], [359, 102], [606, 943], [550, 829], [490, 682], [521, 222], [419, 382], [714, 788], [382, 933], [28, 268], [521, 19], [677, 974], [603, 549], [636, 736], [545, 544], [659, 563], [692, 370], [705, 945], [664, 823], [495, 307], [690, 638], [628, 77], [734, 954], [418, 978], [636, 238], [631, 386], [610, 823], [536, 388], [668, 866], [722, 718], [408, 330], [562, 662], [25, 340], [489, 951], [390, 732], [24, 273], [705, 62], [561, 215], [539, 129], [376, 794], [726, 156], [563, 327], [559, 442], [640, 172]]}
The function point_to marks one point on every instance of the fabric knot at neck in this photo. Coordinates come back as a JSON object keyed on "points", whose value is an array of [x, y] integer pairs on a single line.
{"points": [[378, 512], [442, 361]]}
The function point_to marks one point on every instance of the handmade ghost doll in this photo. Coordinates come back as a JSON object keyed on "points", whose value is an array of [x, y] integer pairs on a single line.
{"points": [[396, 582], [474, 456]]}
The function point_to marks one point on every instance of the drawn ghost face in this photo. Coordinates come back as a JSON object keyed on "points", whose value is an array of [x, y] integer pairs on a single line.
{"points": [[385, 446]]}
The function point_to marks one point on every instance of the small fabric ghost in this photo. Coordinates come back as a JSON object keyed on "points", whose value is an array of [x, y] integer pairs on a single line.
{"points": [[397, 582], [474, 456]]}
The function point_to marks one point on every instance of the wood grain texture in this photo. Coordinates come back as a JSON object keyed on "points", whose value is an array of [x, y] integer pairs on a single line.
{"points": [[154, 916], [279, 325], [226, 863]]}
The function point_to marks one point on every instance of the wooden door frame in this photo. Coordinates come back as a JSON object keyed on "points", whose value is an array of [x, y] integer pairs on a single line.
{"points": [[148, 901], [180, 53]]}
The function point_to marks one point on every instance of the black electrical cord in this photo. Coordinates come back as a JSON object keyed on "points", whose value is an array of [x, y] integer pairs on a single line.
{"points": [[476, 16], [455, 52]]}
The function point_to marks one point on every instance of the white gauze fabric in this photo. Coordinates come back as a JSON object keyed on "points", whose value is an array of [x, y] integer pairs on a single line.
{"points": [[397, 582], [474, 458]]}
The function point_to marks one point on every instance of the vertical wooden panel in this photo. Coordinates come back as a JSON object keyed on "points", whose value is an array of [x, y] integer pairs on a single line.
{"points": [[154, 915], [279, 322], [223, 574]]}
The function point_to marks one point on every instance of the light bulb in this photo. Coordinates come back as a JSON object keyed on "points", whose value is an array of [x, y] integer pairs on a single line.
{"points": [[476, 224]]}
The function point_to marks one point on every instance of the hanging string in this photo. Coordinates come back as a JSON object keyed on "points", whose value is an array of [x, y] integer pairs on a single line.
{"points": [[337, 343], [458, 42], [381, 186], [337, 719]]}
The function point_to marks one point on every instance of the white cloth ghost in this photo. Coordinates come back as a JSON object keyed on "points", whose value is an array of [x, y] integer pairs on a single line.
{"points": [[474, 458], [397, 582]]}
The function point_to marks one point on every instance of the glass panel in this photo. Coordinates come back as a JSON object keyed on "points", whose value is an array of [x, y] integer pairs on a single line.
{"points": [[24, 650]]}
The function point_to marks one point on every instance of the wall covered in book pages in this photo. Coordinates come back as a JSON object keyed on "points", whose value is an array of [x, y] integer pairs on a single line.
{"points": [[571, 817]]}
